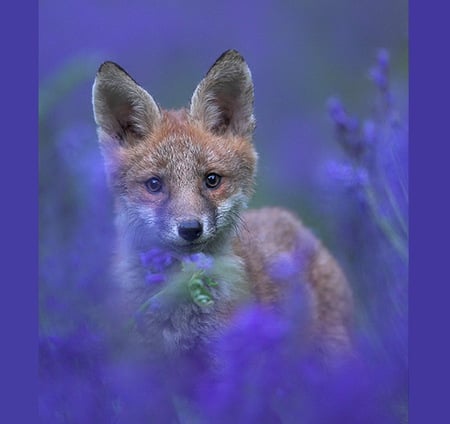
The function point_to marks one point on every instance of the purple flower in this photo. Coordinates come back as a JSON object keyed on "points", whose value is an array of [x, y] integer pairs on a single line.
{"points": [[284, 266], [337, 111], [379, 74], [369, 131], [379, 77], [377, 166], [348, 129], [383, 59], [155, 279], [203, 262], [346, 174], [288, 266], [157, 260], [379, 240]]}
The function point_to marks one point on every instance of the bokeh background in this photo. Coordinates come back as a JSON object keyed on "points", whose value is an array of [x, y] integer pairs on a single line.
{"points": [[343, 169]]}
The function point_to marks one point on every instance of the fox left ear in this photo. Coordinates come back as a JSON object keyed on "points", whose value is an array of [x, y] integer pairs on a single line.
{"points": [[223, 101], [122, 109]]}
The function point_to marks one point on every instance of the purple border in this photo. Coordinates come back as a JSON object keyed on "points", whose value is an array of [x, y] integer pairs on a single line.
{"points": [[19, 208], [429, 181], [430, 214]]}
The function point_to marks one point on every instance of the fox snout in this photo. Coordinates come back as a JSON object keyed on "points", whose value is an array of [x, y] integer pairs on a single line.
{"points": [[190, 230]]}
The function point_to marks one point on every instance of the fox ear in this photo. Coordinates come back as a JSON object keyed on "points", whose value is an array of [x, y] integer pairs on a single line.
{"points": [[223, 100], [122, 109]]}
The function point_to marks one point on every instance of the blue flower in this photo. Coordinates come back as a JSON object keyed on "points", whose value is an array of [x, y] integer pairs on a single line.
{"points": [[155, 279], [157, 260], [346, 174], [202, 261], [379, 74]]}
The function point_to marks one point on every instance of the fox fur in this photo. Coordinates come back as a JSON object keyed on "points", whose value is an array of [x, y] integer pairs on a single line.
{"points": [[176, 152]]}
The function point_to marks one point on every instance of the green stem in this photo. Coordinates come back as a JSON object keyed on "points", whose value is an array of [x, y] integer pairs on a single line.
{"points": [[386, 226]]}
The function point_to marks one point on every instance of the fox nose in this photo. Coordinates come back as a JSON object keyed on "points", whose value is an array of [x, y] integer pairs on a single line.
{"points": [[190, 230]]}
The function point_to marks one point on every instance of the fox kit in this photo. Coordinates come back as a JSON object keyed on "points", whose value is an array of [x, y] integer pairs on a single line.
{"points": [[189, 255]]}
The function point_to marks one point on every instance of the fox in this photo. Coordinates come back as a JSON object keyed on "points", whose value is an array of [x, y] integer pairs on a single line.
{"points": [[190, 254]]}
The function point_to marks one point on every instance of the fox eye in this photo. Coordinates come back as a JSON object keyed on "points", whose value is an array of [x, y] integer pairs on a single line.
{"points": [[212, 180], [154, 185]]}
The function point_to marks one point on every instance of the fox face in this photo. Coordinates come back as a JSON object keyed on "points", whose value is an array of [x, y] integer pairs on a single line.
{"points": [[180, 178]]}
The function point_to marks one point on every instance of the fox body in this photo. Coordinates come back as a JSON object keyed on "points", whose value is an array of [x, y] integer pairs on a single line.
{"points": [[181, 181]]}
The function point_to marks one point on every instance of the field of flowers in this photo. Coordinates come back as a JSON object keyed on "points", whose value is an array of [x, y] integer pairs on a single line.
{"points": [[331, 97]]}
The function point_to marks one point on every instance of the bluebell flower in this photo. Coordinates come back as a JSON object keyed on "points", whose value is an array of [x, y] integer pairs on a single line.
{"points": [[347, 129], [379, 74], [369, 131], [157, 260], [202, 261], [155, 279], [346, 174], [338, 113], [381, 247], [289, 266]]}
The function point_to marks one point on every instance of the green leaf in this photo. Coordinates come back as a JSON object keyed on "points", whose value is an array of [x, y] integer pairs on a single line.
{"points": [[209, 282], [199, 294]]}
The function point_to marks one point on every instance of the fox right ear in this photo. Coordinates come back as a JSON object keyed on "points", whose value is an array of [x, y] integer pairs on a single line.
{"points": [[122, 109], [223, 101]]}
